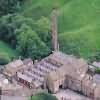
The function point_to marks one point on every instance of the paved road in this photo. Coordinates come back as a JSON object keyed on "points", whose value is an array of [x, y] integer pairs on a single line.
{"points": [[70, 95]]}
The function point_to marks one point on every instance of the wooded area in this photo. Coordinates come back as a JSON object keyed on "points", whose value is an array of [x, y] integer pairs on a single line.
{"points": [[25, 26]]}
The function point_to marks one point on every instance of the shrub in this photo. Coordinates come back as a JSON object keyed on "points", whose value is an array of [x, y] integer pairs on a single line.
{"points": [[97, 70], [4, 59], [43, 96]]}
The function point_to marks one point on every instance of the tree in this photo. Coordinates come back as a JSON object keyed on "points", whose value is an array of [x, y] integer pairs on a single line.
{"points": [[29, 44], [9, 6], [42, 27], [15, 29], [7, 29], [4, 59], [9, 24]]}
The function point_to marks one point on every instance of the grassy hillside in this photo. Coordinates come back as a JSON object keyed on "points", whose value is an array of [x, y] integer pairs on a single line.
{"points": [[38, 8], [78, 14], [6, 50], [79, 23]]}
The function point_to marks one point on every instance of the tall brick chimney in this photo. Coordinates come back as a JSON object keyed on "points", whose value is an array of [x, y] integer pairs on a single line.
{"points": [[54, 30]]}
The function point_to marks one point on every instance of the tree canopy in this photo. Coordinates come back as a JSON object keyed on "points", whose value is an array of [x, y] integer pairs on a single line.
{"points": [[4, 59], [29, 44], [30, 38], [43, 96], [9, 6]]}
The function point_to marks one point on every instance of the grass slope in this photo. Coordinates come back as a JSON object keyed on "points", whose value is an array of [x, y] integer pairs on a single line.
{"points": [[78, 14], [79, 23], [6, 49], [38, 8]]}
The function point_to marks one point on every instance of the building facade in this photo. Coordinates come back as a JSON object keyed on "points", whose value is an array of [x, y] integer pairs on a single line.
{"points": [[56, 71]]}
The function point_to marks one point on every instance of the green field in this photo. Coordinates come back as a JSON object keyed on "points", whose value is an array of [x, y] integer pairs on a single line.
{"points": [[78, 22], [7, 50]]}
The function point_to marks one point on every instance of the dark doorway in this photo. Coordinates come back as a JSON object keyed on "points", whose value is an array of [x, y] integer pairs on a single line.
{"points": [[0, 92], [61, 87]]}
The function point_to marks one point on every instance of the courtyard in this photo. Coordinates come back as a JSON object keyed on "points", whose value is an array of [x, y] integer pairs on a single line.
{"points": [[70, 95]]}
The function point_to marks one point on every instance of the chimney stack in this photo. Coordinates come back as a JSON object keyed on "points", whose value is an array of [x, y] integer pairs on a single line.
{"points": [[54, 30]]}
